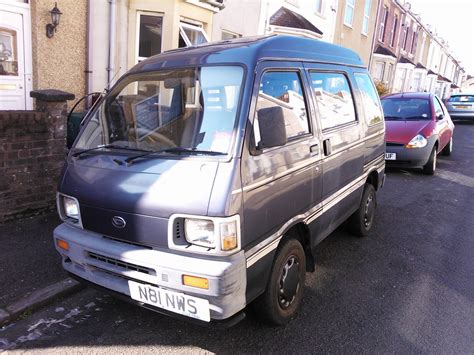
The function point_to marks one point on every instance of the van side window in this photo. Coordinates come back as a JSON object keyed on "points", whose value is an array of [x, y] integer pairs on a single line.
{"points": [[283, 89], [334, 99], [370, 99]]}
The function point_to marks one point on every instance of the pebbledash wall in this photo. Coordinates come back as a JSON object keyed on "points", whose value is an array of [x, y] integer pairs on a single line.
{"points": [[60, 62], [32, 153]]}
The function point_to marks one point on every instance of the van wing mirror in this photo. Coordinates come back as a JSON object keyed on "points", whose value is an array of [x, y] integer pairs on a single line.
{"points": [[271, 121]]}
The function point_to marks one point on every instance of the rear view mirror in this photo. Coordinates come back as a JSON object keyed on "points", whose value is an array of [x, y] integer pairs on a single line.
{"points": [[272, 127]]}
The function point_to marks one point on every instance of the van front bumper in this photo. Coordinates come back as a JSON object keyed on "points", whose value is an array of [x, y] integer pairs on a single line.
{"points": [[111, 264]]}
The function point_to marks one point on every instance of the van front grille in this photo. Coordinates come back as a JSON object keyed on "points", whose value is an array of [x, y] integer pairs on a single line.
{"points": [[121, 264]]}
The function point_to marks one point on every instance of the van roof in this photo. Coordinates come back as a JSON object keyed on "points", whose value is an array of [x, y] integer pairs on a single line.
{"points": [[250, 50]]}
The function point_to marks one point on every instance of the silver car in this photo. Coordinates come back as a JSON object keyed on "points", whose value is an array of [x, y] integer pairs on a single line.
{"points": [[461, 106]]}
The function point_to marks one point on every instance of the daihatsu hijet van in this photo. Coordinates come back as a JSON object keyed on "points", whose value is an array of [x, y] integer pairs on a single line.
{"points": [[205, 179]]}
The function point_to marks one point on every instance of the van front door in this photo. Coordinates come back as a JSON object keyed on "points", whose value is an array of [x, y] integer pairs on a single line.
{"points": [[12, 64], [280, 184]]}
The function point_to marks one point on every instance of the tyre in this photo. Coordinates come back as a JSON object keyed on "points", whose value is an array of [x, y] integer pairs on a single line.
{"points": [[362, 221], [448, 149], [430, 167], [282, 298]]}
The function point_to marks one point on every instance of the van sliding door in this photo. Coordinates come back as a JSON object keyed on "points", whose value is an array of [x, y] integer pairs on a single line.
{"points": [[342, 149]]}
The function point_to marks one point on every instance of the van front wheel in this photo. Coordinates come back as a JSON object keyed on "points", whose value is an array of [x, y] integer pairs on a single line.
{"points": [[282, 297], [361, 222]]}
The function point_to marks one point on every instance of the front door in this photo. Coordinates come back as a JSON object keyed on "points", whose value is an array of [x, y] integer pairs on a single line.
{"points": [[12, 61]]}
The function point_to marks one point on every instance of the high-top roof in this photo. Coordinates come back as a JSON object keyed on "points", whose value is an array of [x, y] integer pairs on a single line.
{"points": [[250, 50]]}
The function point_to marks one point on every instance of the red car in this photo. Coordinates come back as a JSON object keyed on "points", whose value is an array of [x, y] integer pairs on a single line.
{"points": [[418, 127]]}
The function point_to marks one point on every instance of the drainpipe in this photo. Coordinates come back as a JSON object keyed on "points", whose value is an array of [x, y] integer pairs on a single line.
{"points": [[88, 48], [379, 3], [110, 66]]}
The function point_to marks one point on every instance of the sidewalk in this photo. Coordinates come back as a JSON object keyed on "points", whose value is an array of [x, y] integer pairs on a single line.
{"points": [[30, 267]]}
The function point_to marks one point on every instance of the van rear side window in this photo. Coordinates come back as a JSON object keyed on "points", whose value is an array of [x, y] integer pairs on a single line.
{"points": [[334, 99], [370, 98], [283, 89]]}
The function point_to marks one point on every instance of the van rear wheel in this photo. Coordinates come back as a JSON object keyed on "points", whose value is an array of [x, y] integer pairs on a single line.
{"points": [[361, 222], [282, 297]]}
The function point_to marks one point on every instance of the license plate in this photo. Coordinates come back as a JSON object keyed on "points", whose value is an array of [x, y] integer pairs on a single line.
{"points": [[461, 106], [390, 156], [172, 301]]}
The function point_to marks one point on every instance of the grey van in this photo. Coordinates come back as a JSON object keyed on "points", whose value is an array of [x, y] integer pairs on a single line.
{"points": [[204, 180]]}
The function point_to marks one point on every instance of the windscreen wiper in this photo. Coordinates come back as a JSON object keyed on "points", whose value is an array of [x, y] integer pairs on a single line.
{"points": [[173, 150], [113, 146]]}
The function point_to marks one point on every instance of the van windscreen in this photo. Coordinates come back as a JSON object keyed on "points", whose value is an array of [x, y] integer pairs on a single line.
{"points": [[193, 109]]}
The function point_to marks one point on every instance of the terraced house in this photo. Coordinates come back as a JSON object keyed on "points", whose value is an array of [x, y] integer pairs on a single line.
{"points": [[408, 55]]}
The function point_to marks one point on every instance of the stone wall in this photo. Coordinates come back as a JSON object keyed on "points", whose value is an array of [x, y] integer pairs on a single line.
{"points": [[32, 153]]}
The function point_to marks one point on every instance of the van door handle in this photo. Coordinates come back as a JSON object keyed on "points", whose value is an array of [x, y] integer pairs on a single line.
{"points": [[314, 149], [327, 147]]}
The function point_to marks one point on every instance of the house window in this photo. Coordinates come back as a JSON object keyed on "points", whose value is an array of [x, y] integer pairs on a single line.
{"points": [[8, 52], [414, 40], [149, 36], [394, 31], [401, 80], [417, 82], [405, 41], [389, 73], [191, 35], [349, 12], [378, 71], [229, 35], [383, 23], [319, 6], [403, 35], [365, 24]]}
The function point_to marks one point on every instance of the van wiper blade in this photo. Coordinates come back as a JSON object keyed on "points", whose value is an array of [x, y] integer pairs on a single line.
{"points": [[107, 146], [173, 150]]}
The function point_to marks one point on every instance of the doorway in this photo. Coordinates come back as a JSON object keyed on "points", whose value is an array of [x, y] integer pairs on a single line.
{"points": [[15, 56]]}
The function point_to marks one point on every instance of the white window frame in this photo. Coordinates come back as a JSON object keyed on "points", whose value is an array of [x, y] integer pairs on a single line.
{"points": [[383, 23], [137, 33], [352, 6], [394, 31], [377, 65], [183, 25], [365, 22], [319, 10]]}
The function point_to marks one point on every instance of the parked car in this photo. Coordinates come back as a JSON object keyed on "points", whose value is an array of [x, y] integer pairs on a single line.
{"points": [[461, 106], [206, 177], [418, 127]]}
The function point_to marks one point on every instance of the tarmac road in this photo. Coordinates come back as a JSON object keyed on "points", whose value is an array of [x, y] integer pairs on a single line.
{"points": [[407, 288]]}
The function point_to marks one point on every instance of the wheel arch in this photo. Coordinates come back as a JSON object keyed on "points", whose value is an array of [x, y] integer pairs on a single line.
{"points": [[300, 232]]}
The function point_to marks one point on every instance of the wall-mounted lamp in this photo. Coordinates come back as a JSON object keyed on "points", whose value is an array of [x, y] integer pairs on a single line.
{"points": [[55, 16]]}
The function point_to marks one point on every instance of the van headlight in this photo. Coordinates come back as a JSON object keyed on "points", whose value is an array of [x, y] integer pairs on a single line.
{"points": [[200, 232], [219, 234], [68, 209], [417, 142]]}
